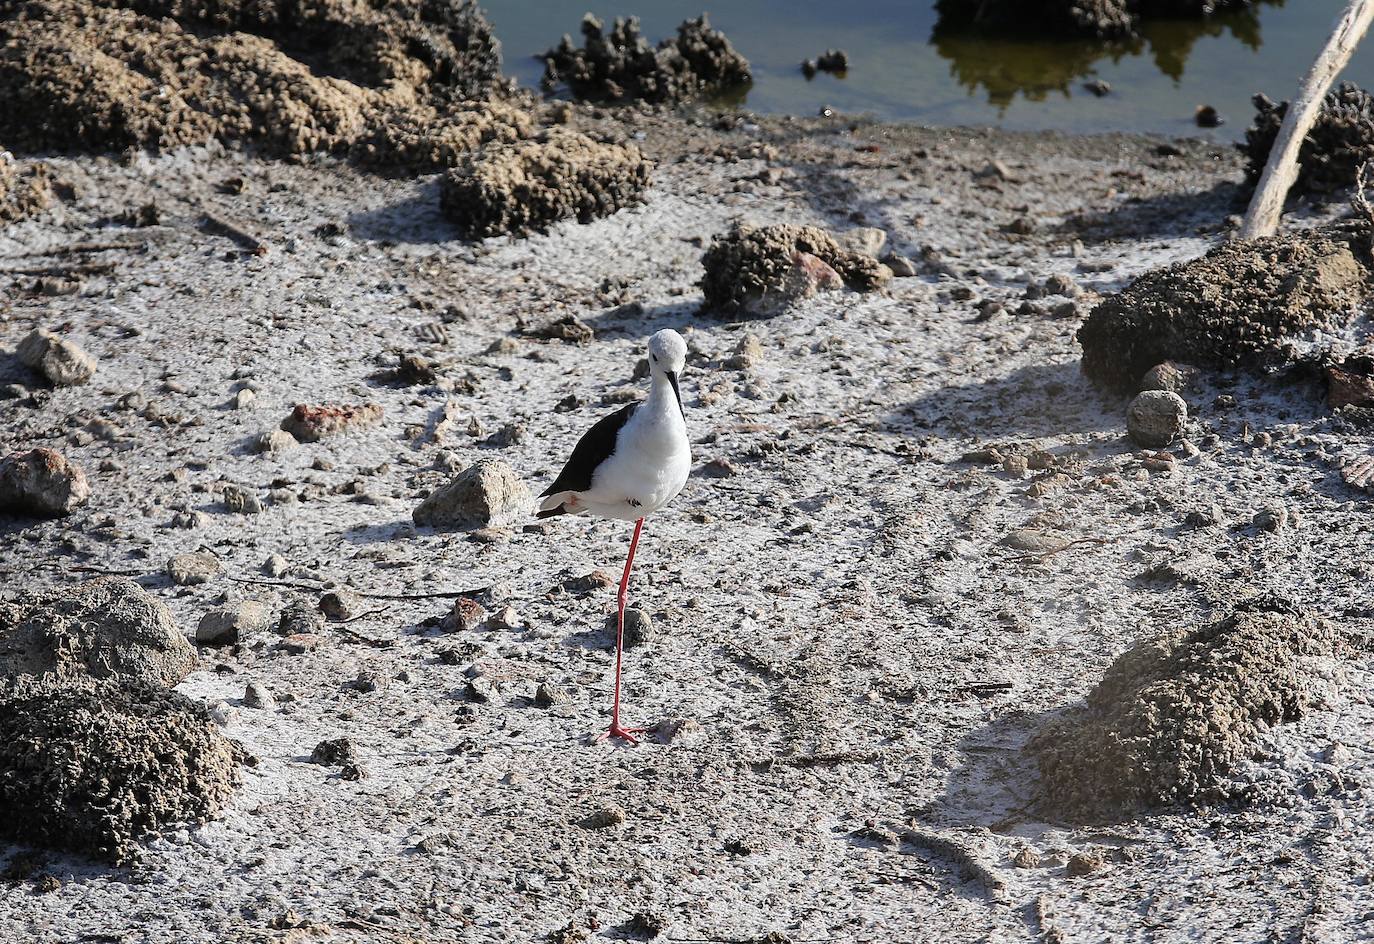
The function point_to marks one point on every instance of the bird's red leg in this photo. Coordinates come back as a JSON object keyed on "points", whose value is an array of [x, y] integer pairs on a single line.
{"points": [[615, 730]]}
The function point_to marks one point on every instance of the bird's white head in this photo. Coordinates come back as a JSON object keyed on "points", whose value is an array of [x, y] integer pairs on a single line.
{"points": [[667, 353]]}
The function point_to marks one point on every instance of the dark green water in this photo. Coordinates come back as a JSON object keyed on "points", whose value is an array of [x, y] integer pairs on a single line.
{"points": [[904, 67]]}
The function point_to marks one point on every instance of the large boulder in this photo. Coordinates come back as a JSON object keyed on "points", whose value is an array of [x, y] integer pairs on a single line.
{"points": [[105, 628], [97, 767], [41, 482], [488, 494]]}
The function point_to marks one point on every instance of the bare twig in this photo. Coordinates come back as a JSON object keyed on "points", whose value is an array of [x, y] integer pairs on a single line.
{"points": [[1266, 207], [75, 268], [318, 588], [218, 227]]}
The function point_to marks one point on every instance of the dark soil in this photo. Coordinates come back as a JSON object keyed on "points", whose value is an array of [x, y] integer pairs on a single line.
{"points": [[1340, 141], [98, 767], [526, 187], [1173, 716], [1238, 306]]}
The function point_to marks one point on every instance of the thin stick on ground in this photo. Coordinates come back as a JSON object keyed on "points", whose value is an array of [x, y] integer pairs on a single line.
{"points": [[1266, 207]]}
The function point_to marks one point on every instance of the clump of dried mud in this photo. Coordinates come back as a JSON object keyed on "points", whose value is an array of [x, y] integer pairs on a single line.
{"points": [[1100, 18], [1340, 141], [1172, 717], [749, 265], [96, 768], [526, 187], [334, 76], [1237, 306], [622, 66], [23, 192], [106, 628]]}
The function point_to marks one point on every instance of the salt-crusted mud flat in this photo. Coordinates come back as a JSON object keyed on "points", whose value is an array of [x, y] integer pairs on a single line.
{"points": [[847, 650]]}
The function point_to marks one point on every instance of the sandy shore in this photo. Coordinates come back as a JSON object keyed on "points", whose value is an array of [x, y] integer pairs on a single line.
{"points": [[851, 654]]}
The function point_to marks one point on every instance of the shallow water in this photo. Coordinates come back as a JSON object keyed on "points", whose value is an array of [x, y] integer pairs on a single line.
{"points": [[904, 67]]}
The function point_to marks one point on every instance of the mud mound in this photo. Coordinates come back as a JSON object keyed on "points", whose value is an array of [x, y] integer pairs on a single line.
{"points": [[528, 186], [23, 192], [105, 628], [1341, 139], [1173, 716], [97, 767], [757, 270], [289, 79], [1237, 306], [1100, 18], [623, 66]]}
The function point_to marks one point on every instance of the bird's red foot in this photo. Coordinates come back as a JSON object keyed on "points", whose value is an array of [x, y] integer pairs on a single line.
{"points": [[625, 734]]}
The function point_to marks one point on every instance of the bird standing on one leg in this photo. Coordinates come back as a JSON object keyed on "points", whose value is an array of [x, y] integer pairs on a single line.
{"points": [[627, 466]]}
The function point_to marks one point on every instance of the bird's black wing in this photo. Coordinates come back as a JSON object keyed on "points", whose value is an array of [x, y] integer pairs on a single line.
{"points": [[592, 449]]}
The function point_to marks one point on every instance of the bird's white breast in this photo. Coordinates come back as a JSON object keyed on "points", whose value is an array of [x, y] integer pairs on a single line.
{"points": [[649, 466]]}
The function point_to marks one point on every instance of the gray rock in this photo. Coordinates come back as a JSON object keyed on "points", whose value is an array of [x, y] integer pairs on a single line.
{"points": [[1171, 376], [639, 628], [340, 606], [41, 482], [275, 565], [240, 500], [1272, 518], [62, 362], [187, 570], [105, 628], [335, 752], [901, 266], [299, 618], [256, 695], [546, 695], [868, 240], [228, 624], [1156, 417], [275, 440], [488, 494]]}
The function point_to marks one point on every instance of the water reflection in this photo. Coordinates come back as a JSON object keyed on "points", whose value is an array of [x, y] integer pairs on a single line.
{"points": [[1005, 67]]}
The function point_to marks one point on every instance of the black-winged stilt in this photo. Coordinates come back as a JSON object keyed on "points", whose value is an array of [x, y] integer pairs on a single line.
{"points": [[627, 466]]}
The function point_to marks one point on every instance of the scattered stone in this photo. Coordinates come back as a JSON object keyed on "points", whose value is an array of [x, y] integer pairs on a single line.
{"points": [[512, 434], [639, 628], [569, 328], [748, 353], [622, 67], [834, 61], [104, 628], [482, 690], [340, 606], [352, 772], [1016, 466], [1359, 472], [588, 583], [1085, 863], [61, 362], [233, 622], [1207, 116], [763, 270], [506, 618], [41, 482], [900, 266], [313, 423], [300, 618], [1156, 417], [240, 500], [1237, 306], [1032, 541], [1271, 519], [298, 644], [275, 566], [605, 818], [409, 370], [1339, 141], [645, 925], [517, 189], [546, 695], [24, 191], [188, 570], [1174, 715], [1026, 858], [243, 399], [487, 494], [718, 469], [1170, 376], [97, 767], [467, 614], [1060, 284], [275, 440], [1350, 384], [865, 240], [682, 732], [256, 695], [334, 752]]}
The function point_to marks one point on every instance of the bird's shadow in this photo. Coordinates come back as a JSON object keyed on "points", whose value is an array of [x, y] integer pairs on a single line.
{"points": [[415, 220], [1032, 401], [1160, 216]]}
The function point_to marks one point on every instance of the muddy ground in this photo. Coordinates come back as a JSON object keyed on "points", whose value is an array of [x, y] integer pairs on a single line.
{"points": [[850, 654]]}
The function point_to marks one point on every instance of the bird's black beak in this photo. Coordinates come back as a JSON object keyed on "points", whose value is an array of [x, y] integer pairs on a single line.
{"points": [[677, 392]]}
